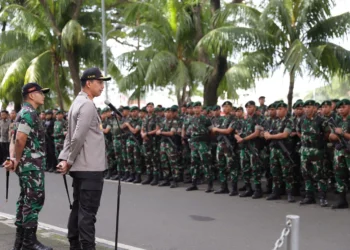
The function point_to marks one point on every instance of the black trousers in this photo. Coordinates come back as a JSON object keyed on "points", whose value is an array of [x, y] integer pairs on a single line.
{"points": [[87, 191], [4, 151]]}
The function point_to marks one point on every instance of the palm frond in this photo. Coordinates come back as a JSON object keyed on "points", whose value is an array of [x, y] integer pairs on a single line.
{"points": [[312, 12], [40, 69], [181, 77], [200, 71], [72, 35]]}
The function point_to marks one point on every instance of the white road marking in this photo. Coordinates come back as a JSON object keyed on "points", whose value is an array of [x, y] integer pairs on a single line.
{"points": [[63, 230]]}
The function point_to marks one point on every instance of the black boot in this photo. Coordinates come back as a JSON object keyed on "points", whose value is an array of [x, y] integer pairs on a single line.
{"points": [[210, 187], [258, 192], [155, 180], [147, 180], [290, 197], [180, 177], [323, 199], [341, 201], [164, 183], [30, 242], [173, 184], [126, 176], [137, 179], [234, 190], [109, 174], [275, 195], [115, 177], [193, 186], [74, 244], [248, 191], [223, 189], [309, 198], [131, 178], [19, 239], [242, 189], [296, 189], [269, 186]]}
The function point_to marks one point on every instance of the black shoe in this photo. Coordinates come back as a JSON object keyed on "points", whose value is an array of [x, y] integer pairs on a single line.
{"points": [[234, 190], [147, 180], [154, 181], [109, 174], [164, 183], [242, 189], [126, 176], [210, 187], [269, 186], [30, 241], [248, 191], [223, 189], [131, 178], [341, 201], [290, 197], [173, 184], [137, 179], [193, 187], [296, 189], [323, 199], [309, 199], [275, 195], [180, 178], [74, 244], [258, 192], [19, 239]]}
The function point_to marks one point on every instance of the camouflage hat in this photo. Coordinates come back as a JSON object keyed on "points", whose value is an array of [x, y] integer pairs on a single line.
{"points": [[250, 103], [48, 112], [281, 105], [327, 102], [59, 112], [196, 104], [133, 108], [126, 108], [239, 109], [227, 103], [234, 108], [342, 102], [309, 103]]}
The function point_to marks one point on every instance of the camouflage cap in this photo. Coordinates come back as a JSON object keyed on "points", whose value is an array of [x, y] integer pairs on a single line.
{"points": [[335, 100], [175, 107], [216, 108]]}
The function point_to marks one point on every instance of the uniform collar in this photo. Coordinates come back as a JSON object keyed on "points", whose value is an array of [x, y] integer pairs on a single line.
{"points": [[27, 104]]}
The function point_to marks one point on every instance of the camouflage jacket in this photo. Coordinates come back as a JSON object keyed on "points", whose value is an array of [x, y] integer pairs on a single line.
{"points": [[169, 125], [227, 121], [107, 123], [250, 125], [149, 123], [199, 126], [28, 122], [59, 128], [281, 126], [115, 128], [216, 121], [186, 125]]}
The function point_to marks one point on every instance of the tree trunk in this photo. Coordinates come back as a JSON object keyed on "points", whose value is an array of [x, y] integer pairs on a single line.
{"points": [[73, 64], [291, 89], [57, 83]]}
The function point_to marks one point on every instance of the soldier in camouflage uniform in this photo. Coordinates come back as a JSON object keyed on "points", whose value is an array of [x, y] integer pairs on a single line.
{"points": [[178, 143], [133, 146], [186, 151], [262, 108], [281, 165], [216, 120], [125, 119], [59, 132], [250, 152], [29, 161], [312, 130], [117, 134], [227, 160], [168, 149], [200, 127], [107, 127], [148, 134], [341, 136]]}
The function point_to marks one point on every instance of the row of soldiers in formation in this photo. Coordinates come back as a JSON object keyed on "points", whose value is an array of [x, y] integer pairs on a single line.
{"points": [[308, 148]]}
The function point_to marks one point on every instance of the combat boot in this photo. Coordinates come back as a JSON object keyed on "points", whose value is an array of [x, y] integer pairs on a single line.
{"points": [[164, 183], [341, 201], [258, 192], [309, 198], [131, 178], [109, 174], [248, 191], [19, 239], [126, 176], [137, 179], [223, 189], [180, 178], [155, 180], [234, 190], [323, 199], [210, 187], [30, 241], [275, 195], [242, 189], [296, 189], [115, 177], [290, 197], [74, 244], [147, 180], [193, 186], [173, 184], [269, 186]]}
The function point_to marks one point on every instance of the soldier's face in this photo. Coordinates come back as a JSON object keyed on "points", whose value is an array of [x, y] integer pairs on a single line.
{"points": [[217, 112], [134, 113], [38, 97], [310, 110], [227, 109], [109, 114], [272, 112], [239, 113], [150, 108], [299, 111], [197, 110], [326, 110], [168, 114], [59, 117], [281, 112], [333, 105], [42, 116], [344, 110], [261, 101], [251, 109], [204, 112], [126, 112], [13, 115], [48, 116], [3, 116], [183, 110]]}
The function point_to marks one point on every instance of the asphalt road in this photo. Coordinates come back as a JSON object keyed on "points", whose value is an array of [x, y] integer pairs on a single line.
{"points": [[160, 218]]}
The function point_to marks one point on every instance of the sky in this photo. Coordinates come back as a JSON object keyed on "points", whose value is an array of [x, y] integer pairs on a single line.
{"points": [[273, 88]]}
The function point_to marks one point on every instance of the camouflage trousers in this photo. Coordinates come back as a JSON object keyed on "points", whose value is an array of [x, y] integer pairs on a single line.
{"points": [[227, 162], [186, 157], [281, 169], [31, 198], [312, 169], [201, 159], [265, 158], [119, 154], [328, 160], [342, 169], [169, 160], [133, 156], [250, 166], [150, 156], [110, 152], [58, 146]]}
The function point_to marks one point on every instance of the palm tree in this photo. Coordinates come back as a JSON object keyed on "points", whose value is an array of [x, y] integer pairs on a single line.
{"points": [[295, 34]]}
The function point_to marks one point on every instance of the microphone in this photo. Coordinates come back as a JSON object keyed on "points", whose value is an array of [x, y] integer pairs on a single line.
{"points": [[109, 104]]}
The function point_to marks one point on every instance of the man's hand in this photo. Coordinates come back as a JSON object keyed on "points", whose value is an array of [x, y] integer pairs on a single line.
{"points": [[10, 165], [333, 137], [158, 132], [63, 167], [267, 136], [214, 129], [338, 131], [239, 139]]}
